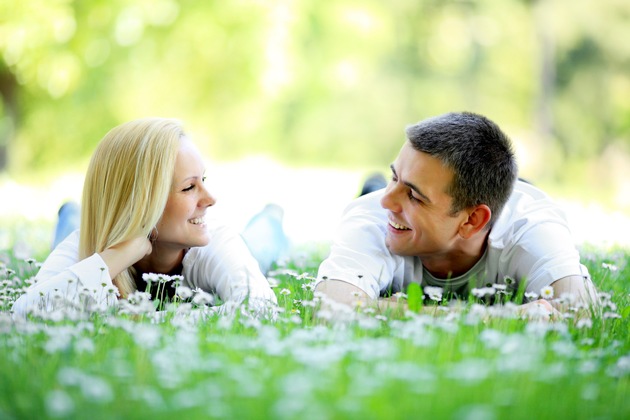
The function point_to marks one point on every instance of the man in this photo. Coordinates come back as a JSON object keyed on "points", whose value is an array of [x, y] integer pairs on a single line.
{"points": [[454, 216]]}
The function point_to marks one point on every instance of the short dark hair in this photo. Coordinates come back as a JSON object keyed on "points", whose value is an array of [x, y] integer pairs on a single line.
{"points": [[478, 152]]}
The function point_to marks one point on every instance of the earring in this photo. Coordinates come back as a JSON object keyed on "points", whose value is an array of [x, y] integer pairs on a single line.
{"points": [[153, 235]]}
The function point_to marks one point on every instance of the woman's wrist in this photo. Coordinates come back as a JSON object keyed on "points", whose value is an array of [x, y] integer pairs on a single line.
{"points": [[115, 261]]}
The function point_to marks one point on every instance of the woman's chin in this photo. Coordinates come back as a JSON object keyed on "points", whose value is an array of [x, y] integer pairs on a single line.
{"points": [[202, 241]]}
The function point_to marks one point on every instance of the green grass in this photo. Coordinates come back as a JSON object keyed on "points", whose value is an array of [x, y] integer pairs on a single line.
{"points": [[454, 365]]}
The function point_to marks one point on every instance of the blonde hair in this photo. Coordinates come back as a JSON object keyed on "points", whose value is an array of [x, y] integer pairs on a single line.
{"points": [[127, 186]]}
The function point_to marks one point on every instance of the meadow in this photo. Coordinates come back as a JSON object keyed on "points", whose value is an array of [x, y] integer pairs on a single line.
{"points": [[191, 360]]}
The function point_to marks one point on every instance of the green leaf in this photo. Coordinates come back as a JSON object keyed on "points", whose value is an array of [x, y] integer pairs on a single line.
{"points": [[414, 297]]}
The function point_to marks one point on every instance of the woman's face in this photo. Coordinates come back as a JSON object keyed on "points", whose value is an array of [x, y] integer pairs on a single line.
{"points": [[182, 224]]}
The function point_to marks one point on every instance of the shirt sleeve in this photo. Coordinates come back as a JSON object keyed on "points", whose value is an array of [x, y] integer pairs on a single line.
{"points": [[226, 267], [543, 254], [534, 240], [64, 279], [358, 254]]}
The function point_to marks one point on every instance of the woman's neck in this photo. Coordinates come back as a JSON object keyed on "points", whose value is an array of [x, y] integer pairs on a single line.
{"points": [[162, 261]]}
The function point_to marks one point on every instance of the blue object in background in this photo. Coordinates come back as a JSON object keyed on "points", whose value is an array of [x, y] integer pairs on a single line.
{"points": [[373, 183], [265, 237], [69, 220]]}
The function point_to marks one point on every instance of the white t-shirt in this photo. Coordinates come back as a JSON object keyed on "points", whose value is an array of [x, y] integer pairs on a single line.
{"points": [[529, 241], [224, 267]]}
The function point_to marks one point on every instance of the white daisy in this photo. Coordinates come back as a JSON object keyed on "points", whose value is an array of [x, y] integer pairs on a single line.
{"points": [[546, 292]]}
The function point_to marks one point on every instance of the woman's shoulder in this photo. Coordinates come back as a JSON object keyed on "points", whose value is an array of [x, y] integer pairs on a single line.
{"points": [[69, 244], [73, 237]]}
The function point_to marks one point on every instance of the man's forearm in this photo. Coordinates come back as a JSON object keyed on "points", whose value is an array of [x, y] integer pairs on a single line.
{"points": [[353, 296], [574, 292], [342, 292]]}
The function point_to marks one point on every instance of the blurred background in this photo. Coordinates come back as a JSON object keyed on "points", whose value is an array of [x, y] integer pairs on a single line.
{"points": [[296, 101]]}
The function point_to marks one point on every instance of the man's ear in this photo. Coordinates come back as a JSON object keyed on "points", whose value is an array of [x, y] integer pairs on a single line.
{"points": [[478, 218]]}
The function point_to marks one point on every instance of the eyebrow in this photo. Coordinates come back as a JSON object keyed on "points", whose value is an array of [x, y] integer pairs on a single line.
{"points": [[185, 181], [190, 178], [413, 187]]}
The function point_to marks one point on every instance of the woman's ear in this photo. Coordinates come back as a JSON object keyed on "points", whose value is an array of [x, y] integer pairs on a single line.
{"points": [[478, 218]]}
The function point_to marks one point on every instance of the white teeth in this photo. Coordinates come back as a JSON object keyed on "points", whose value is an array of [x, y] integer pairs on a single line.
{"points": [[197, 221], [397, 226]]}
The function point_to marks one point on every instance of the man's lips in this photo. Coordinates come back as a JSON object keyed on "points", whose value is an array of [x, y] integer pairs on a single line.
{"points": [[398, 226]]}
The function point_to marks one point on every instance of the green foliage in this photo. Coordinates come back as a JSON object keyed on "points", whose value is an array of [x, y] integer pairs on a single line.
{"points": [[311, 81], [388, 365], [414, 297]]}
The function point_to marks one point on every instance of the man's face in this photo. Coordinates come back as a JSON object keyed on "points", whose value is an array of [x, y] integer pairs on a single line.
{"points": [[420, 220]]}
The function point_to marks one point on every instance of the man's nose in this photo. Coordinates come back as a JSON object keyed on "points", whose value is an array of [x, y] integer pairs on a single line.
{"points": [[390, 200]]}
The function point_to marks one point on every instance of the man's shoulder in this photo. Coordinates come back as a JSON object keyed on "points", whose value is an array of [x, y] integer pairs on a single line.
{"points": [[527, 207], [524, 188]]}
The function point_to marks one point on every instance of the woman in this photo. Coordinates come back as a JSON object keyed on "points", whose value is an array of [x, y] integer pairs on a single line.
{"points": [[144, 210]]}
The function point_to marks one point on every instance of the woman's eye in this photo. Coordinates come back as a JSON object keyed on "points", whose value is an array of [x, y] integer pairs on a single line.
{"points": [[188, 188], [203, 179], [412, 198]]}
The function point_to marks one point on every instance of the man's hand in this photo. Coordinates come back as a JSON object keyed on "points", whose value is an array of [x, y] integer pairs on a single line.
{"points": [[539, 309]]}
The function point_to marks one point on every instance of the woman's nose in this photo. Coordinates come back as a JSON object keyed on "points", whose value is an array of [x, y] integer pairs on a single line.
{"points": [[207, 199]]}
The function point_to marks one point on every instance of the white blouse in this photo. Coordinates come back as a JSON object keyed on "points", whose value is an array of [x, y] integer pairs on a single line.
{"points": [[224, 267]]}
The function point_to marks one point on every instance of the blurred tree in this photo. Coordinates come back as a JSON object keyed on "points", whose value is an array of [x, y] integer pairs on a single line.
{"points": [[83, 67], [310, 81], [8, 111]]}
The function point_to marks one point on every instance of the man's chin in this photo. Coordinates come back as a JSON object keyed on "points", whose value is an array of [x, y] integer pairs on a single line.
{"points": [[392, 247]]}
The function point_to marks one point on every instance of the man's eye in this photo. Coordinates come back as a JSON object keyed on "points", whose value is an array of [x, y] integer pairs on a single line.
{"points": [[412, 198]]}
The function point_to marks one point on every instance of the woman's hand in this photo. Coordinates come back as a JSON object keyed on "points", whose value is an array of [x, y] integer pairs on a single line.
{"points": [[125, 254]]}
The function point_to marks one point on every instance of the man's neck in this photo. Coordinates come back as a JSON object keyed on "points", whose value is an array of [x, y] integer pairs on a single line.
{"points": [[458, 261]]}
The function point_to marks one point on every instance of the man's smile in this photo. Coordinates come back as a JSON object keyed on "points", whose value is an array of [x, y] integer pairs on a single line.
{"points": [[398, 226]]}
